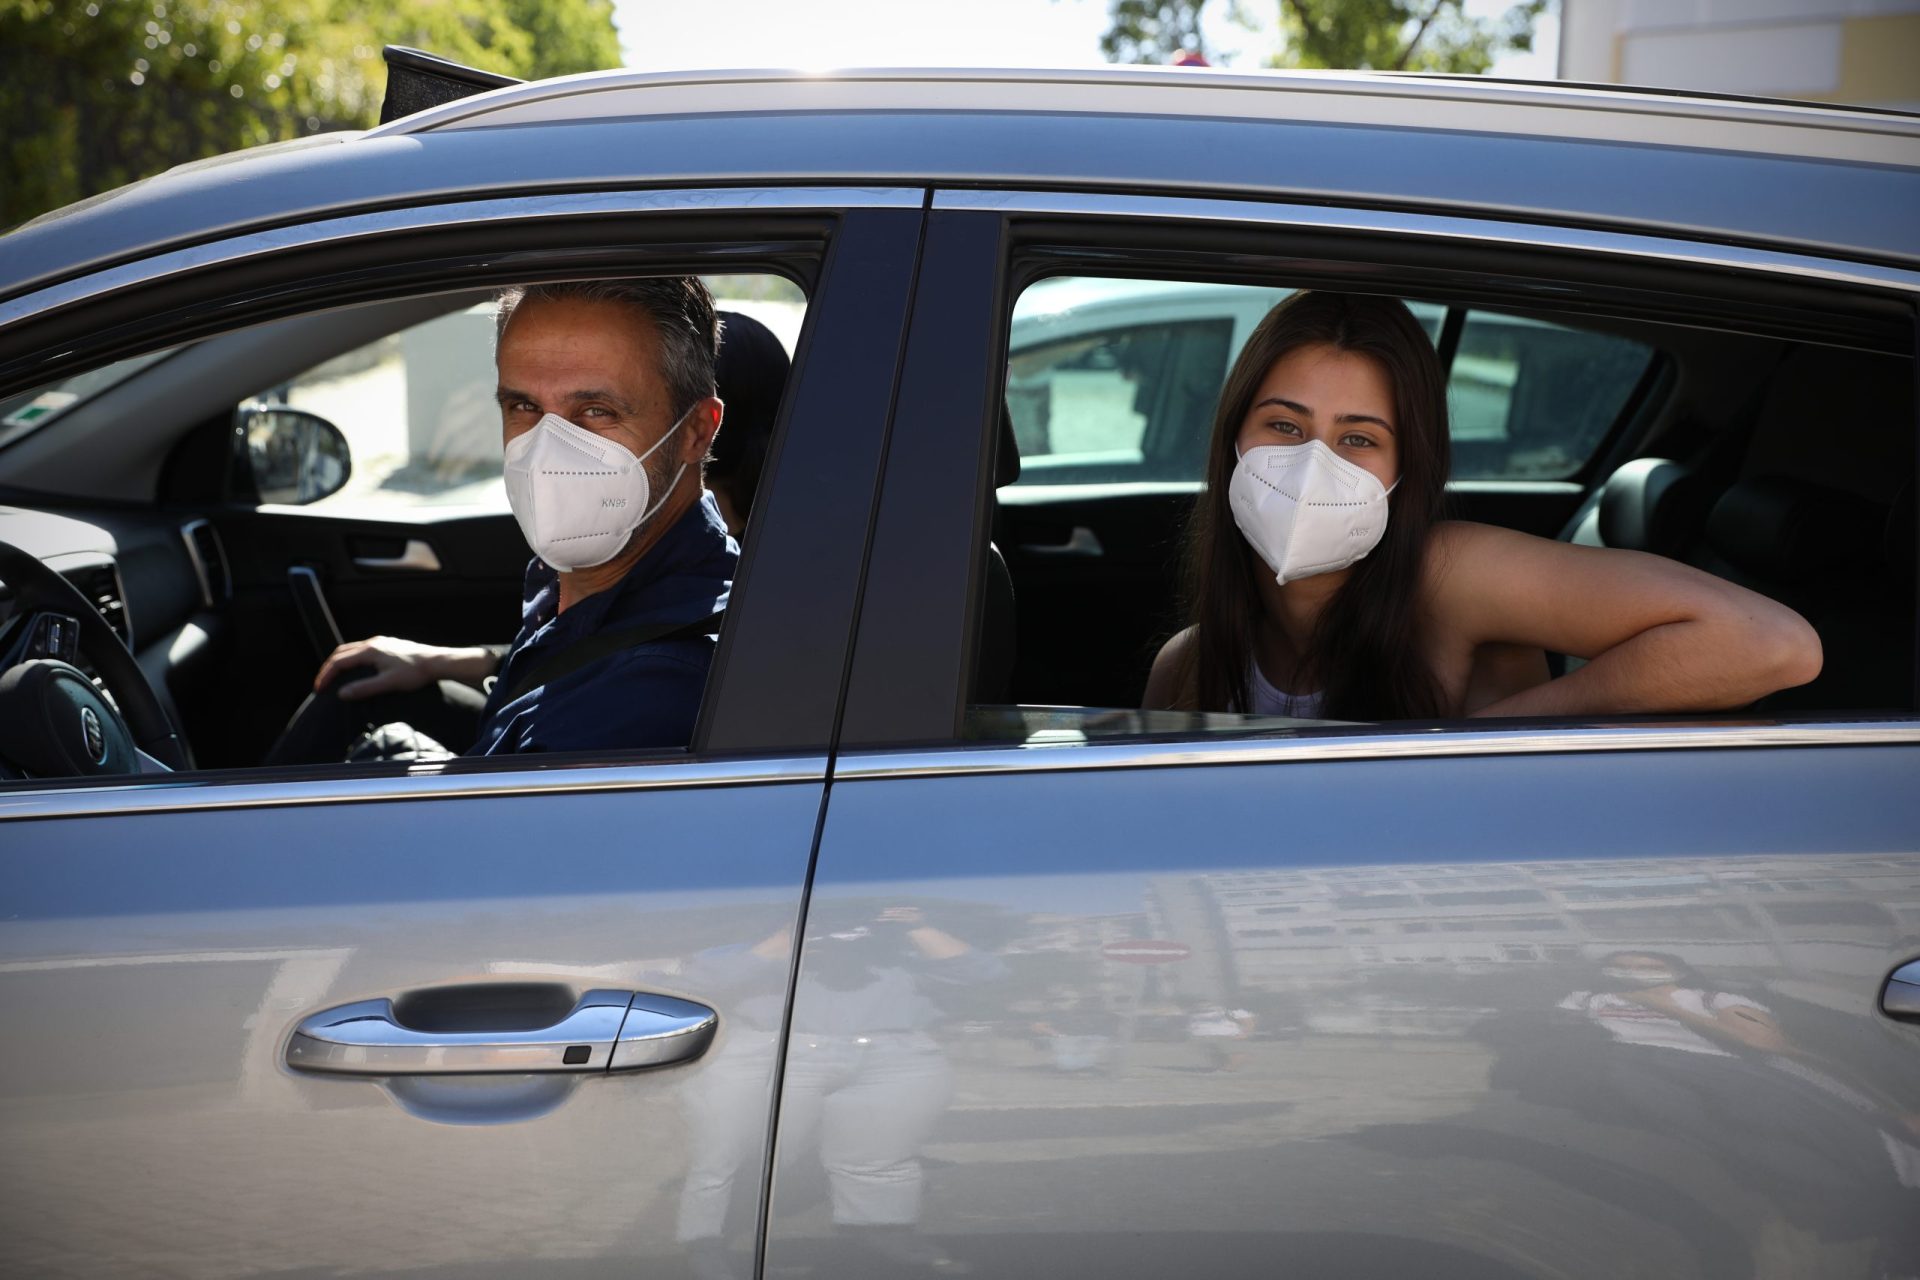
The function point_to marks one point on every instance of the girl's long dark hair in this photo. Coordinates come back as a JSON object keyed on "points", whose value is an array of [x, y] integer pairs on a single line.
{"points": [[1365, 652]]}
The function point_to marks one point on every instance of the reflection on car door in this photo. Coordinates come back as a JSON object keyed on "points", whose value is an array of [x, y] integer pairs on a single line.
{"points": [[1410, 1016], [155, 963]]}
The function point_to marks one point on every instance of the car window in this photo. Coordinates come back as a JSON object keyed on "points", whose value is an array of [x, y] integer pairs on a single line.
{"points": [[1531, 400], [1114, 405], [396, 411], [417, 411], [1086, 577], [1114, 381]]}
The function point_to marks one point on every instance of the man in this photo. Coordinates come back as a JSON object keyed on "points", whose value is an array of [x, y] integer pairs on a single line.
{"points": [[607, 401]]}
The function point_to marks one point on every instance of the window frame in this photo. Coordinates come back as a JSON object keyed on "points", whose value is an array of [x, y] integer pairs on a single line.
{"points": [[773, 693], [913, 658]]}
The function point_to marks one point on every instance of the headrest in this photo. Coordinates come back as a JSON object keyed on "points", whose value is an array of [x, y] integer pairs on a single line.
{"points": [[1785, 531], [1006, 454], [750, 373], [1648, 505]]}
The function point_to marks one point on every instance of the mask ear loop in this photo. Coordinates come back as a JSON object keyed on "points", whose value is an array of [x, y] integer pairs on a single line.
{"points": [[664, 495], [667, 492]]}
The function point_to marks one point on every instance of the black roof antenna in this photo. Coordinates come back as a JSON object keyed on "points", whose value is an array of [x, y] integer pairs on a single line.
{"points": [[417, 80]]}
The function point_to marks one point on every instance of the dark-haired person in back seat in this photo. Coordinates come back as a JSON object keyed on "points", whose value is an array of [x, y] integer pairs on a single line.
{"points": [[607, 402], [1326, 586]]}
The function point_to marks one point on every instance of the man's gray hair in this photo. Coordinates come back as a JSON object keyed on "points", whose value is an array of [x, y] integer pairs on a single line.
{"points": [[679, 307]]}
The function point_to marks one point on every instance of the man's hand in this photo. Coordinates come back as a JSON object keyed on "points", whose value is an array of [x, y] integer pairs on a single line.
{"points": [[400, 666]]}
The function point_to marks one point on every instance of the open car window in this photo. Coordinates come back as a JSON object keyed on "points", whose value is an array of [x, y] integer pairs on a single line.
{"points": [[1110, 395], [416, 406]]}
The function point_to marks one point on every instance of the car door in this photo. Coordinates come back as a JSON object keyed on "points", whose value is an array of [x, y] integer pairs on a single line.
{"points": [[1113, 993], [167, 1101]]}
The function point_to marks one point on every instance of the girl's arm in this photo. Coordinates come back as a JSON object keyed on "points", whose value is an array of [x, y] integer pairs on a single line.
{"points": [[1657, 635]]}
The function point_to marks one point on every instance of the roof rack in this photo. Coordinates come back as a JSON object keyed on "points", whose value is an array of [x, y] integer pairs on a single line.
{"points": [[417, 80]]}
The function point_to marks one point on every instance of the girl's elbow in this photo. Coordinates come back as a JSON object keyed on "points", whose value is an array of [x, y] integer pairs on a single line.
{"points": [[1788, 651]]}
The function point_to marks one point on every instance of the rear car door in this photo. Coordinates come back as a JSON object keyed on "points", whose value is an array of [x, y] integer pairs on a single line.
{"points": [[164, 937], [1093, 990]]}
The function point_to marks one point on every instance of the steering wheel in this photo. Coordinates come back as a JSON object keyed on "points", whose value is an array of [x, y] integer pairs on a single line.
{"points": [[53, 721]]}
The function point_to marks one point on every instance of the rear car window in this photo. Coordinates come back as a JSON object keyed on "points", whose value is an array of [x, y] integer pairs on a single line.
{"points": [[1114, 382], [1532, 400]]}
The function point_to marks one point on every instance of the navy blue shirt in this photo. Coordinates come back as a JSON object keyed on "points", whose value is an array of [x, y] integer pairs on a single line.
{"points": [[646, 695]]}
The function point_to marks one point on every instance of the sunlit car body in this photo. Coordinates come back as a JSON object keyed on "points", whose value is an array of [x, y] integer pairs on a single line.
{"points": [[1009, 978]]}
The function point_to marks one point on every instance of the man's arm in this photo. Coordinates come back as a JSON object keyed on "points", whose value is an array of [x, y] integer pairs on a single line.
{"points": [[401, 665]]}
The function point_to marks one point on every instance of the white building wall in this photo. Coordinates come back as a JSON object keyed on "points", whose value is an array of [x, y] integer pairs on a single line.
{"points": [[1858, 51]]}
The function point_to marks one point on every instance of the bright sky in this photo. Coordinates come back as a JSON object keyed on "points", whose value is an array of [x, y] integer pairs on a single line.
{"points": [[665, 34]]}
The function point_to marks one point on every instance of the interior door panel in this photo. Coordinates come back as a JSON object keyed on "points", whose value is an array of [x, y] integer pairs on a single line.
{"points": [[471, 597], [1095, 586]]}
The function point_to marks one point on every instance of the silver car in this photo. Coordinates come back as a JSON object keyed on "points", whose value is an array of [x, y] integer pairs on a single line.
{"points": [[929, 955]]}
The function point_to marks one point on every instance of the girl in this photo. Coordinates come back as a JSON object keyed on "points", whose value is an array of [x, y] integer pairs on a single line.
{"points": [[1324, 584]]}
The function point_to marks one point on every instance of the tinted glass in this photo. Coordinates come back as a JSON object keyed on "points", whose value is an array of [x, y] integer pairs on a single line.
{"points": [[31, 410], [1116, 381], [1118, 405], [1531, 400]]}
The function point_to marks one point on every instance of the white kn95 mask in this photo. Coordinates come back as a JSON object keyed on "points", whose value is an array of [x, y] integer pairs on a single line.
{"points": [[1305, 509], [579, 496]]}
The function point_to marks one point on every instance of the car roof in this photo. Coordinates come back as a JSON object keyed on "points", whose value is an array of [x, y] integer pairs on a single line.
{"points": [[1839, 181], [1541, 109]]}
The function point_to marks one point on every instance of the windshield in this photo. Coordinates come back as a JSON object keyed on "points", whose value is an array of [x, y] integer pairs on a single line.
{"points": [[27, 412]]}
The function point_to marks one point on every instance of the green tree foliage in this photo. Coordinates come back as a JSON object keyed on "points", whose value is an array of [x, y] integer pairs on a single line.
{"points": [[1380, 35], [97, 93], [1152, 30]]}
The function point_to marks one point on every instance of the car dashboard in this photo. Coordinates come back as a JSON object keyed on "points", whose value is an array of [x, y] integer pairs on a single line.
{"points": [[155, 578]]}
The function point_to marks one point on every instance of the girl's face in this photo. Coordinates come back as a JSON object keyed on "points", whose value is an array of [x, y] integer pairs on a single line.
{"points": [[1340, 398]]}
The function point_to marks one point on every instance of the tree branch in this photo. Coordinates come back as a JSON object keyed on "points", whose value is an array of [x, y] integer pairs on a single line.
{"points": [[1419, 34]]}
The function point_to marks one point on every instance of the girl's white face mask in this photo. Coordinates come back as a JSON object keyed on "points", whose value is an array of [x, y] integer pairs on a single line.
{"points": [[579, 496], [1305, 509]]}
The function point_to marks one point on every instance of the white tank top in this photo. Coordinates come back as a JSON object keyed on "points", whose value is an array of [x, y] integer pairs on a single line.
{"points": [[1270, 701]]}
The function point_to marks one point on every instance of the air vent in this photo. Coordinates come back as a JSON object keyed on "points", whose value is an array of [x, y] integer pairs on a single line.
{"points": [[100, 584], [209, 562]]}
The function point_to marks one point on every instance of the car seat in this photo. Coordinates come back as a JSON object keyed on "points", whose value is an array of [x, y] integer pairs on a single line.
{"points": [[1647, 504], [750, 373], [1836, 558]]}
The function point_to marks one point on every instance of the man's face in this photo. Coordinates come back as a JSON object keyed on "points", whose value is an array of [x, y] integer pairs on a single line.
{"points": [[596, 364]]}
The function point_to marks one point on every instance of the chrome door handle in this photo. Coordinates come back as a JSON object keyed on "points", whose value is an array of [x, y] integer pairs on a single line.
{"points": [[604, 1031], [416, 557], [1081, 542], [1901, 999]]}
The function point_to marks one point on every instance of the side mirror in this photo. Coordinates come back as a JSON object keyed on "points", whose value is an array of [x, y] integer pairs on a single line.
{"points": [[295, 457]]}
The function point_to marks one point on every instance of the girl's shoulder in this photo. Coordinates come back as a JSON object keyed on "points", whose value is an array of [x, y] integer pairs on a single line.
{"points": [[1477, 575], [1464, 556], [1458, 553], [1163, 682]]}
